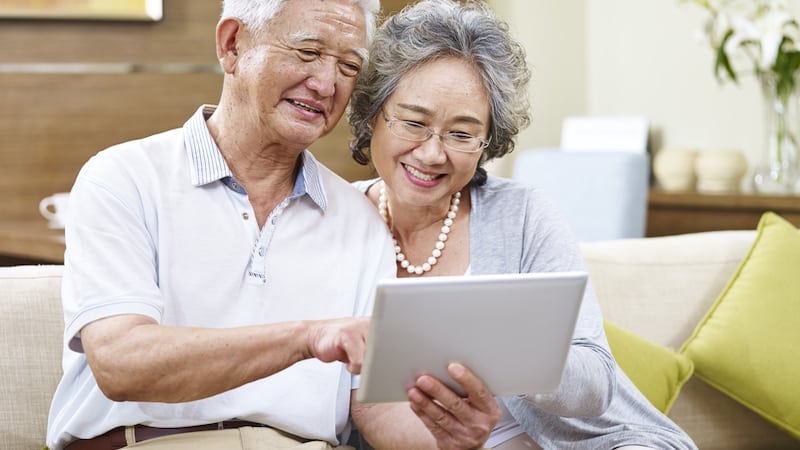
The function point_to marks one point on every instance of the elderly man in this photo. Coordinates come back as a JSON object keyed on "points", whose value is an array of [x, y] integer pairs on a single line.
{"points": [[216, 274]]}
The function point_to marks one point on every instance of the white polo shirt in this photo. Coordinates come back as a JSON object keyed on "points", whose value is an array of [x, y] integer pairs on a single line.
{"points": [[159, 227]]}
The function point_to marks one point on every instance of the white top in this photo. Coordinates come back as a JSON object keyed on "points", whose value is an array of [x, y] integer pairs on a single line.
{"points": [[159, 227], [506, 428]]}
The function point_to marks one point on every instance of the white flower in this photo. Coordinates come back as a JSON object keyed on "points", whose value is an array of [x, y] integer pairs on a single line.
{"points": [[760, 34]]}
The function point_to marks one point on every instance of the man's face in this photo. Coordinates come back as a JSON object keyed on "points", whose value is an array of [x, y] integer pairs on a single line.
{"points": [[297, 78]]}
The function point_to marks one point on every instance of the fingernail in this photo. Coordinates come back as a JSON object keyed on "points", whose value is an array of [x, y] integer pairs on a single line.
{"points": [[456, 369], [424, 382]]}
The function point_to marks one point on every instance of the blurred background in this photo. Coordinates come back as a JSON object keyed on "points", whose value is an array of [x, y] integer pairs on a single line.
{"points": [[70, 87]]}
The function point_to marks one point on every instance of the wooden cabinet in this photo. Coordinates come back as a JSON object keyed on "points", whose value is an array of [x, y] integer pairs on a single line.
{"points": [[688, 212], [29, 241]]}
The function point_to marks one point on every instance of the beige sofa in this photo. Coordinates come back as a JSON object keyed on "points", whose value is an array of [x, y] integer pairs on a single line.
{"points": [[658, 288]]}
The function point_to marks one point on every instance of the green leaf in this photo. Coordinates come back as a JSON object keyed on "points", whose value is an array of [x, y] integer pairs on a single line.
{"points": [[722, 61]]}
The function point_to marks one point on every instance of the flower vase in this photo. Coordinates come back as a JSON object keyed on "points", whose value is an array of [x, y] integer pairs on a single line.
{"points": [[777, 172]]}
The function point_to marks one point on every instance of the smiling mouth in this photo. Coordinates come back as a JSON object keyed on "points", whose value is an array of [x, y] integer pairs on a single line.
{"points": [[306, 107], [417, 174]]}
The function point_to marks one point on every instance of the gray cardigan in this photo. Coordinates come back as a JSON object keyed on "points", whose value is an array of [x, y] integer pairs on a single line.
{"points": [[514, 228]]}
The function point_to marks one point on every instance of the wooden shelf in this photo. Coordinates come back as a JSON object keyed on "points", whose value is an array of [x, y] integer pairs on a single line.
{"points": [[688, 212], [31, 240]]}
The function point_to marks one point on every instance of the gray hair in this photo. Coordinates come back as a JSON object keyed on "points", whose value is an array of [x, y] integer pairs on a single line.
{"points": [[433, 29], [255, 14]]}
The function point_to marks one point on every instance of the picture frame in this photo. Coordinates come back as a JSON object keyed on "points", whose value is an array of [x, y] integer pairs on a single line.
{"points": [[121, 10]]}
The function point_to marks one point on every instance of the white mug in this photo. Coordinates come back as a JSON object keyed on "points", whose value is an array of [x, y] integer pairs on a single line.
{"points": [[54, 209]]}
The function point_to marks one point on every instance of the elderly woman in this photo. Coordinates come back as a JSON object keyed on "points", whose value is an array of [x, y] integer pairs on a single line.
{"points": [[444, 92]]}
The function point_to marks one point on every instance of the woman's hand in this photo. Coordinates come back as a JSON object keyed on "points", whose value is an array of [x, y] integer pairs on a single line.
{"points": [[455, 422]]}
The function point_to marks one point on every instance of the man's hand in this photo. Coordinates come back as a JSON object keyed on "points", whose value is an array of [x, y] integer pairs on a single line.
{"points": [[339, 340]]}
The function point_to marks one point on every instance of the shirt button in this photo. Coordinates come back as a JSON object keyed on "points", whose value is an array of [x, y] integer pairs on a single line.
{"points": [[235, 186], [245, 216], [261, 251]]}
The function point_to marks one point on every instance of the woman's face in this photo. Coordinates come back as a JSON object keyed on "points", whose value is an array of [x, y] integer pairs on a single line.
{"points": [[446, 96]]}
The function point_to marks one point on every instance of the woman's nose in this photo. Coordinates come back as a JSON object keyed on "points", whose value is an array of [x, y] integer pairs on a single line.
{"points": [[432, 150]]}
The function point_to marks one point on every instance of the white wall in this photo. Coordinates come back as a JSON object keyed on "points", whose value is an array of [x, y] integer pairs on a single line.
{"points": [[644, 58], [554, 34], [631, 57]]}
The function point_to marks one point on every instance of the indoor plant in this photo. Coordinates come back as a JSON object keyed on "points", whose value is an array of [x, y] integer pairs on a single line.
{"points": [[761, 37]]}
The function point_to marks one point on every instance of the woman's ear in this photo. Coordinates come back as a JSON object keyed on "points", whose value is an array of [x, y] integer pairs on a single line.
{"points": [[229, 34]]}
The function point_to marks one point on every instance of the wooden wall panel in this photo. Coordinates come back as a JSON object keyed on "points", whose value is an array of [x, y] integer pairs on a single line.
{"points": [[51, 123], [57, 121], [184, 35]]}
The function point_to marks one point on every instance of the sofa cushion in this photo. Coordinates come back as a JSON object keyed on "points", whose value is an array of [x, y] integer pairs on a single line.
{"points": [[747, 344], [658, 372]]}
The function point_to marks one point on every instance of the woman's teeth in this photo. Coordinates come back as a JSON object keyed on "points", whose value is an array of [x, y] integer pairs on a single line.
{"points": [[417, 174]]}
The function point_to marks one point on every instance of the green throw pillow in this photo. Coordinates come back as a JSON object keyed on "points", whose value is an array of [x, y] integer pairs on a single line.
{"points": [[658, 372], [748, 343]]}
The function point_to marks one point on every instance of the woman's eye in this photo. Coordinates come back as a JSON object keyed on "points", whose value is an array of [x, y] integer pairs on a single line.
{"points": [[460, 136], [416, 125]]}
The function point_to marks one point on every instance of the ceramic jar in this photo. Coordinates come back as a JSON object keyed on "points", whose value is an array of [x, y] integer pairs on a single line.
{"points": [[674, 169], [720, 171]]}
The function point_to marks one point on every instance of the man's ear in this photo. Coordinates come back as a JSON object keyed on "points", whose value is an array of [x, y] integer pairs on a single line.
{"points": [[229, 33]]}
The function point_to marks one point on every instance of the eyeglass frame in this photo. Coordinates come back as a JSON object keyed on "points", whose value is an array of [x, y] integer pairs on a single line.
{"points": [[430, 133]]}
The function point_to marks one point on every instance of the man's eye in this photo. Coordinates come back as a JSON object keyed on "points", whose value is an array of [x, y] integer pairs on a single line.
{"points": [[307, 55], [349, 69]]}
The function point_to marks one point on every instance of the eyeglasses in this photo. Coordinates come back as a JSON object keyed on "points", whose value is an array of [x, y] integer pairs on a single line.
{"points": [[454, 140]]}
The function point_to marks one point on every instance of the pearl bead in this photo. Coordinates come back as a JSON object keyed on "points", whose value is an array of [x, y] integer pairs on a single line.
{"points": [[383, 210]]}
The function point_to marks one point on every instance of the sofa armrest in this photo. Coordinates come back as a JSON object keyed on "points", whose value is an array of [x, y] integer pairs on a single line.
{"points": [[31, 339]]}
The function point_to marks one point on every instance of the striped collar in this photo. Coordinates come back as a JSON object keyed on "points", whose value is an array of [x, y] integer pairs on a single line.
{"points": [[208, 165]]}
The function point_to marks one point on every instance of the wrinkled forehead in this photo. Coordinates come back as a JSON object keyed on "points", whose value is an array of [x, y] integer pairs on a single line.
{"points": [[336, 24]]}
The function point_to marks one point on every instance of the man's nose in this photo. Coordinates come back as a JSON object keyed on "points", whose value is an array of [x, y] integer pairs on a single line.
{"points": [[324, 76]]}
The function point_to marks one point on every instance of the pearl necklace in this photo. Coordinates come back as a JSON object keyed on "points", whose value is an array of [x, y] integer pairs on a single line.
{"points": [[437, 249]]}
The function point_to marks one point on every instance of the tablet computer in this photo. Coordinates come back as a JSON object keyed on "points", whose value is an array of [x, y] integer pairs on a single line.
{"points": [[512, 330]]}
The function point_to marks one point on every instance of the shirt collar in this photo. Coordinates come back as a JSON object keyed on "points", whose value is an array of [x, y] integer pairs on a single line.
{"points": [[207, 164]]}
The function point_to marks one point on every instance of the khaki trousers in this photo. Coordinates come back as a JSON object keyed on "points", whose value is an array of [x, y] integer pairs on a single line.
{"points": [[244, 438]]}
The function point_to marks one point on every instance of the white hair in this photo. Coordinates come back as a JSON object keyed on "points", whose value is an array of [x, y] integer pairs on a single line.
{"points": [[255, 14]]}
